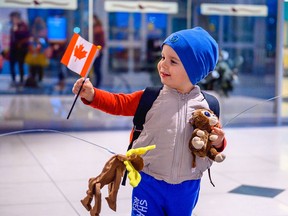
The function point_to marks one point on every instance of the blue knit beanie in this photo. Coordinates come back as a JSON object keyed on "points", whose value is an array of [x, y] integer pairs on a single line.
{"points": [[197, 50]]}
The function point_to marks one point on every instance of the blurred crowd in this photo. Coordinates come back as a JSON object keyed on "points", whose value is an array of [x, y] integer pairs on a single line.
{"points": [[28, 44]]}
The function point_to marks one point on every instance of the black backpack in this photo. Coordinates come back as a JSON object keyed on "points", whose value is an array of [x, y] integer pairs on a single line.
{"points": [[147, 99]]}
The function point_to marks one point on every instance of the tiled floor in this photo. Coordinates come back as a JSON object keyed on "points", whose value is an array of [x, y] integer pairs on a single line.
{"points": [[46, 173]]}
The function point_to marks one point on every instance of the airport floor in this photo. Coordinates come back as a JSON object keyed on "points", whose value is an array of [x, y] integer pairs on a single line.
{"points": [[46, 173]]}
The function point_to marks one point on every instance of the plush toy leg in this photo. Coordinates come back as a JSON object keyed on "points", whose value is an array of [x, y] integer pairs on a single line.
{"points": [[220, 157], [197, 143], [86, 202], [113, 189], [216, 156], [95, 211]]}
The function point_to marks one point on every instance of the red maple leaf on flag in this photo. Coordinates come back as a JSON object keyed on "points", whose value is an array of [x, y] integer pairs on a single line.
{"points": [[79, 53]]}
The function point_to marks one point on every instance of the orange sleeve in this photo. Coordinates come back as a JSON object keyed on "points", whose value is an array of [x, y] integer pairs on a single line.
{"points": [[115, 103]]}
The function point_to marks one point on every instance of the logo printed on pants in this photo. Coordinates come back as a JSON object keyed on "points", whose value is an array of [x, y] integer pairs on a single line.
{"points": [[140, 206]]}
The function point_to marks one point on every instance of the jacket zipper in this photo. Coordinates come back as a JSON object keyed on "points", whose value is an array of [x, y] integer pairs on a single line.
{"points": [[176, 165]]}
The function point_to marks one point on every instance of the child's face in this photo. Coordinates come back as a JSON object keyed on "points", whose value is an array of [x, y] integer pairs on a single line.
{"points": [[172, 71]]}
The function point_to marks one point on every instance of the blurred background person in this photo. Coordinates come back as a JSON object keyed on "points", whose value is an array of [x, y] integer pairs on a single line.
{"points": [[1, 62], [37, 56], [98, 39], [36, 60], [39, 28], [19, 38]]}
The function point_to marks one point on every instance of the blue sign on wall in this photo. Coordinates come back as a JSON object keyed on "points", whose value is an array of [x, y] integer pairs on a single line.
{"points": [[56, 28]]}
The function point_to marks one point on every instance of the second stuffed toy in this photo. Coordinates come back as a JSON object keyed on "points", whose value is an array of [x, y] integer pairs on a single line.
{"points": [[203, 121]]}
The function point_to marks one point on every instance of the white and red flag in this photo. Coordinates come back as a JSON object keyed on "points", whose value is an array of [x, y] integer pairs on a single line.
{"points": [[80, 55]]}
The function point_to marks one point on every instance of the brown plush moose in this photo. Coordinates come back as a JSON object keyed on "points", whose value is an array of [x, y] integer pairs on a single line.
{"points": [[111, 175], [203, 120]]}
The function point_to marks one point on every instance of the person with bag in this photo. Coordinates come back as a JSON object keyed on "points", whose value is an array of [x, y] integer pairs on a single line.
{"points": [[169, 185], [36, 60], [19, 39], [98, 39]]}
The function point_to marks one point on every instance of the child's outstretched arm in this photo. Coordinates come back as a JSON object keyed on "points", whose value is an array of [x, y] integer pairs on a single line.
{"points": [[112, 103]]}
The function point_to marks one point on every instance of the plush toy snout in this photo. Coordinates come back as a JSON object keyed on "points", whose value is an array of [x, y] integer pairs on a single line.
{"points": [[213, 121]]}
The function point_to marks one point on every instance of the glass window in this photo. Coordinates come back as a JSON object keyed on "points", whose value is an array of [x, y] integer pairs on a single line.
{"points": [[121, 24], [238, 29], [118, 59], [247, 45]]}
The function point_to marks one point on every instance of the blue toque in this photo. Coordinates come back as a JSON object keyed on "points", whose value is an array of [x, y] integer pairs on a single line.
{"points": [[197, 50]]}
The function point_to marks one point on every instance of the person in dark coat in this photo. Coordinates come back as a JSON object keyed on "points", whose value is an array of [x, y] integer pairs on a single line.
{"points": [[19, 38]]}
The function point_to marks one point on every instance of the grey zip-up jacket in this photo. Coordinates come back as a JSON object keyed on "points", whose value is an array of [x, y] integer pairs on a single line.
{"points": [[167, 126]]}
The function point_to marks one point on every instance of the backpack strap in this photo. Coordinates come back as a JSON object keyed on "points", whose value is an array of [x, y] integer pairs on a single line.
{"points": [[147, 99], [212, 102], [215, 107]]}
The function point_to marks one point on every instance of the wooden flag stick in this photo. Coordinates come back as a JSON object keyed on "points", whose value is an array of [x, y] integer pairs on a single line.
{"points": [[75, 99]]}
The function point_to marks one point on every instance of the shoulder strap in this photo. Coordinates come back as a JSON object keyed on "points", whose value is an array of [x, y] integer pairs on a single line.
{"points": [[147, 99], [213, 103], [215, 107]]}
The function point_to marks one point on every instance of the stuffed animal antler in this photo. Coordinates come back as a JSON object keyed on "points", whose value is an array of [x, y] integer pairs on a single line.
{"points": [[203, 120], [111, 175]]}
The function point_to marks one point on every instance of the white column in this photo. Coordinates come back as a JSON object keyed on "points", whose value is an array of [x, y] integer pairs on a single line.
{"points": [[279, 61], [189, 14], [90, 21]]}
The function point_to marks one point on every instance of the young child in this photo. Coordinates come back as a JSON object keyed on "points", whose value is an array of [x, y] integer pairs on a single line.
{"points": [[168, 185]]}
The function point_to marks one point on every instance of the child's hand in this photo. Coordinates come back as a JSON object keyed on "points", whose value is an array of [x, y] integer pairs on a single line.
{"points": [[219, 141], [87, 91]]}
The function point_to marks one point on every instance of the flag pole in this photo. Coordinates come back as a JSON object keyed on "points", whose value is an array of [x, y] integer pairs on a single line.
{"points": [[76, 97], [85, 78]]}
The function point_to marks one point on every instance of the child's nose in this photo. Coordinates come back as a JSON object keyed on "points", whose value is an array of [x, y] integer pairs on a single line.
{"points": [[164, 63]]}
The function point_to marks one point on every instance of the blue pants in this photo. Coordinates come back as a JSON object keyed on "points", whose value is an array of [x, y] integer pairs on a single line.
{"points": [[153, 197]]}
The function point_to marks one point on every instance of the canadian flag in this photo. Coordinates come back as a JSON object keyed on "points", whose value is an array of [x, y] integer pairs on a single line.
{"points": [[80, 55]]}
